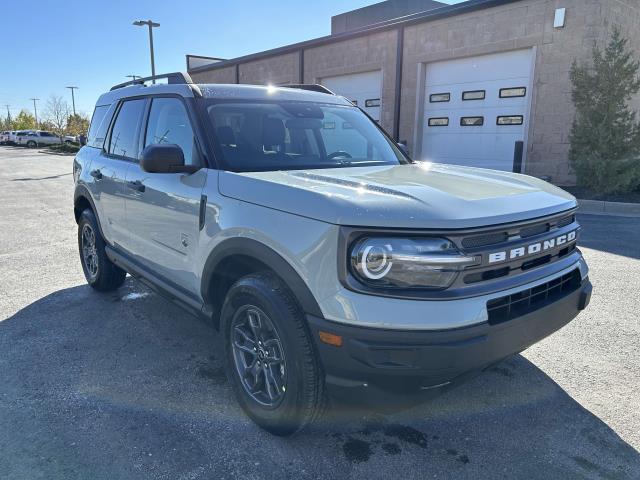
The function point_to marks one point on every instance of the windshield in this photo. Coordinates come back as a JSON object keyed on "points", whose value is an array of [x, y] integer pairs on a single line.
{"points": [[264, 136]]}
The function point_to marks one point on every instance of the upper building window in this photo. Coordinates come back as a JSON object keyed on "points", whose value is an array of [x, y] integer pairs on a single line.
{"points": [[474, 95], [439, 97], [513, 92]]}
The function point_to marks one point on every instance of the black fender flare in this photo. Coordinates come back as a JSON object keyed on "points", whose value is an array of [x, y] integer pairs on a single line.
{"points": [[82, 191], [248, 247]]}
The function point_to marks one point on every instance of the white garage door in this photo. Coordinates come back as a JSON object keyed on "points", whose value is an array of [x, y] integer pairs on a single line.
{"points": [[364, 89], [476, 109]]}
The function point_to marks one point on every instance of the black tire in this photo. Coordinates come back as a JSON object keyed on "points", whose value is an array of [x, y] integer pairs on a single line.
{"points": [[100, 272], [303, 398], [31, 144]]}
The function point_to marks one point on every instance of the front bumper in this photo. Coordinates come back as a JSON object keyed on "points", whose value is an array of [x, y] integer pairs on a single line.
{"points": [[399, 368]]}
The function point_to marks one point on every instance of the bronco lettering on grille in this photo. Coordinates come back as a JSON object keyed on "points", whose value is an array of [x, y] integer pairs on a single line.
{"points": [[532, 248]]}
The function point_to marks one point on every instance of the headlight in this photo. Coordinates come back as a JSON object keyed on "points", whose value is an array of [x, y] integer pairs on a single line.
{"points": [[414, 263]]}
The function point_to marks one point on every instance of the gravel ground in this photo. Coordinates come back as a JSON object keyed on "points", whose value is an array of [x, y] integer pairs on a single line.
{"points": [[125, 385]]}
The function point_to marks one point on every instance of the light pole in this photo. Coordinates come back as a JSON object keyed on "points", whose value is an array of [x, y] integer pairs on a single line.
{"points": [[73, 99], [35, 109], [151, 25]]}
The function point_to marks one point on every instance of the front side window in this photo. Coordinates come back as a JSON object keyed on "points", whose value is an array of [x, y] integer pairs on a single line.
{"points": [[123, 142], [169, 123], [268, 135]]}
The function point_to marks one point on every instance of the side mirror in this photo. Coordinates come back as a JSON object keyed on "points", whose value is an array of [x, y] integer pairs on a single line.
{"points": [[403, 147], [164, 158]]}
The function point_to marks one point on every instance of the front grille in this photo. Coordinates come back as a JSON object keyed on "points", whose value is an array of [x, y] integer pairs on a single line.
{"points": [[535, 230], [483, 240], [526, 231], [563, 222], [512, 306]]}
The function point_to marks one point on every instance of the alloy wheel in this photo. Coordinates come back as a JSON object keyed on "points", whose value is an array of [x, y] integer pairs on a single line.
{"points": [[89, 253], [258, 356]]}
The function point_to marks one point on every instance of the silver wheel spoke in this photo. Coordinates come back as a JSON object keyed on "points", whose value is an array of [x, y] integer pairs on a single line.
{"points": [[259, 356], [246, 349], [245, 336]]}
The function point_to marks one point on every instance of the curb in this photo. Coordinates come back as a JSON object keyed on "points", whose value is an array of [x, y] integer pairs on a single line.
{"points": [[599, 207]]}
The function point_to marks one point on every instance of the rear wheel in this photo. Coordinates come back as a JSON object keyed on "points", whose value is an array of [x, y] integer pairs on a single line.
{"points": [[271, 362], [99, 271]]}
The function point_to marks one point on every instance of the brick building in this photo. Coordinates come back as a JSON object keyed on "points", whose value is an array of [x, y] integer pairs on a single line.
{"points": [[483, 82]]}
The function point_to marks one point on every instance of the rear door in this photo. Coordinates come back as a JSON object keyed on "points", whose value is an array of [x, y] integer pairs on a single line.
{"points": [[163, 209], [110, 167]]}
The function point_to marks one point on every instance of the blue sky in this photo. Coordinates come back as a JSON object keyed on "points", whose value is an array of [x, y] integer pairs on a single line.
{"points": [[49, 45]]}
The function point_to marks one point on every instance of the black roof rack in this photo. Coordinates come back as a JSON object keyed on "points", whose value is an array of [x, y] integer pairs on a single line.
{"points": [[175, 77], [313, 87]]}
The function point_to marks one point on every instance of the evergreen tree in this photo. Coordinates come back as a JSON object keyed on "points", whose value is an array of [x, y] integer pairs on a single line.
{"points": [[605, 138]]}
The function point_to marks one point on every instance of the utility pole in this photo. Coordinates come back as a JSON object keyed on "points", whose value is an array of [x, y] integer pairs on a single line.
{"points": [[35, 109], [151, 25], [8, 115], [73, 99]]}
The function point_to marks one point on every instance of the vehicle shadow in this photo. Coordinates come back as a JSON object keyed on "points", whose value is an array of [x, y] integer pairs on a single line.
{"points": [[125, 385]]}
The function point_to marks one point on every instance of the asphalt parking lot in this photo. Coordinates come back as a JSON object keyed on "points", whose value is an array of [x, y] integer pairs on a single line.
{"points": [[125, 385]]}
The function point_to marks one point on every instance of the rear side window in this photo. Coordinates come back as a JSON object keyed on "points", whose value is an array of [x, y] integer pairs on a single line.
{"points": [[123, 140], [99, 125], [169, 123]]}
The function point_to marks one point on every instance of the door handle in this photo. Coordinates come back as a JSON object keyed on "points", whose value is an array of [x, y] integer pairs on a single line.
{"points": [[136, 185], [97, 174]]}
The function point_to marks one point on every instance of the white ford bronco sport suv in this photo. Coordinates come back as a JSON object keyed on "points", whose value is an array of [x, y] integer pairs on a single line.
{"points": [[333, 265]]}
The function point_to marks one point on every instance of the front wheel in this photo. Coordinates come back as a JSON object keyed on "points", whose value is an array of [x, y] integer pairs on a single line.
{"points": [[271, 361], [99, 271], [31, 144]]}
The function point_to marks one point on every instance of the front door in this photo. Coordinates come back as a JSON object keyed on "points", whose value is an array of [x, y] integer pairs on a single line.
{"points": [[163, 209]]}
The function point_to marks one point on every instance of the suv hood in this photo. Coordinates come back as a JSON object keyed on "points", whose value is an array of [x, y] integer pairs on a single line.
{"points": [[421, 195]]}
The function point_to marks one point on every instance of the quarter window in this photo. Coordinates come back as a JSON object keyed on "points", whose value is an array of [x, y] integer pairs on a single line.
{"points": [[169, 123], [473, 95], [513, 92], [472, 121], [439, 97], [123, 142], [99, 125]]}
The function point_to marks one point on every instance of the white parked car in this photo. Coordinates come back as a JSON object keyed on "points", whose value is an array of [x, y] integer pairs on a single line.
{"points": [[35, 138], [4, 137]]}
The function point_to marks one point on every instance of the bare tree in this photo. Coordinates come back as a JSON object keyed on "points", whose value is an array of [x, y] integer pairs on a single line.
{"points": [[56, 114]]}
